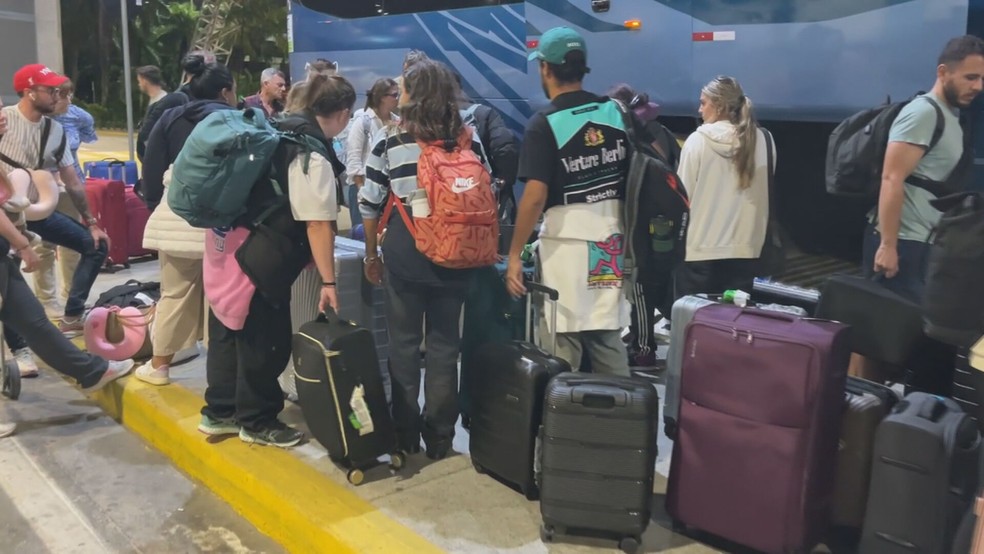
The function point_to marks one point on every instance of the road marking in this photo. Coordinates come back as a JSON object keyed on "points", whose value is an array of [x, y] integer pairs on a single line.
{"points": [[53, 517]]}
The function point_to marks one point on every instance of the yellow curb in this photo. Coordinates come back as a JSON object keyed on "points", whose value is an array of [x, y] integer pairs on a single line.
{"points": [[285, 498]]}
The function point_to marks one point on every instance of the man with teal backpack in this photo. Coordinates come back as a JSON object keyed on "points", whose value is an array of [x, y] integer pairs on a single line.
{"points": [[227, 154]]}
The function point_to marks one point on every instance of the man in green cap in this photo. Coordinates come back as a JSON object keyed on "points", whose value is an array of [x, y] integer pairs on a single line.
{"points": [[574, 161]]}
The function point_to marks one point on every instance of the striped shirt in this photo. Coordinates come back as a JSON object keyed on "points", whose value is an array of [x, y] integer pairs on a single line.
{"points": [[392, 166], [22, 143]]}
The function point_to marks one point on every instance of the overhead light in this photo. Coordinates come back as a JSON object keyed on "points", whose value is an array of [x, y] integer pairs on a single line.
{"points": [[633, 24]]}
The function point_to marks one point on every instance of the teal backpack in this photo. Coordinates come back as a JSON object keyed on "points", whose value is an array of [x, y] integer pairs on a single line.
{"points": [[226, 154]]}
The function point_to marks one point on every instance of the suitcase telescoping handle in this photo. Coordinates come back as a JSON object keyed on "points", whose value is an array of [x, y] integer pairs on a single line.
{"points": [[552, 295]]}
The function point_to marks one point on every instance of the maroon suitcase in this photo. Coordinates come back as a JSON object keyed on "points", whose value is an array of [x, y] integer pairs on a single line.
{"points": [[137, 215], [762, 397], [107, 202]]}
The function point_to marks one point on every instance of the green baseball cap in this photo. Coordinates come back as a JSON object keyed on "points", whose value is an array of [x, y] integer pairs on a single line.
{"points": [[556, 43]]}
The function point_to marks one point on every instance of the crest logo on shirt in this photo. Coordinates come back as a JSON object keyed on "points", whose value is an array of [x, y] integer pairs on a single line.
{"points": [[594, 137]]}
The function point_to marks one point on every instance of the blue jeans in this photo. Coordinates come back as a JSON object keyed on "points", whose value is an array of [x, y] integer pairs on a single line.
{"points": [[62, 230], [352, 194]]}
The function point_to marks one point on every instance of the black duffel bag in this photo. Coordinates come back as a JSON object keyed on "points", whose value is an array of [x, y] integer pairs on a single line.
{"points": [[953, 304], [885, 326]]}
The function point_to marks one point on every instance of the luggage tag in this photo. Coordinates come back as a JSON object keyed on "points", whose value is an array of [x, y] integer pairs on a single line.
{"points": [[360, 418]]}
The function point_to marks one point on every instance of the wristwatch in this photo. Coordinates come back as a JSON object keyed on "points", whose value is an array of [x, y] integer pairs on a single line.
{"points": [[370, 259], [91, 221]]}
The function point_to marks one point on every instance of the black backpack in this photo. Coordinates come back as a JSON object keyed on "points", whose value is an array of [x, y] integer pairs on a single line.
{"points": [[132, 294], [856, 150], [953, 301], [657, 211]]}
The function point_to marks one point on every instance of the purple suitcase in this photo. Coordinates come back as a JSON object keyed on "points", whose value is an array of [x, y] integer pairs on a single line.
{"points": [[762, 396]]}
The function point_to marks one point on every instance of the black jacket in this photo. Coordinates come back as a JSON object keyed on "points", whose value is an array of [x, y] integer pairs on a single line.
{"points": [[499, 143], [166, 140], [155, 111]]}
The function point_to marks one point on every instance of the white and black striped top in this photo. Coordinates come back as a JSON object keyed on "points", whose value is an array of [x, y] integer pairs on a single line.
{"points": [[392, 165], [22, 143]]}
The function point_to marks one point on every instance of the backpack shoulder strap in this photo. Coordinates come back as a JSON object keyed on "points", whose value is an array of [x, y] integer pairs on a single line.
{"points": [[45, 134], [940, 123], [6, 159], [60, 151]]}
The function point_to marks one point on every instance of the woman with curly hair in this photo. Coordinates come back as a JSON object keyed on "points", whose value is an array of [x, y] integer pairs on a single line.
{"points": [[415, 287]]}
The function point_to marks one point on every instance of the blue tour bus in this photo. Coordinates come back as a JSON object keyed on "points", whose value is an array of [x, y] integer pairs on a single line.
{"points": [[807, 64]]}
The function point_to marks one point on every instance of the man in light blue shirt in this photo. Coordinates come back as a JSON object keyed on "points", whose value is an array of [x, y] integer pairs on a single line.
{"points": [[914, 172]]}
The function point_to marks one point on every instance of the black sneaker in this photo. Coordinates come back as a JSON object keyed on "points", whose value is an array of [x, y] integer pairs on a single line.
{"points": [[274, 434]]}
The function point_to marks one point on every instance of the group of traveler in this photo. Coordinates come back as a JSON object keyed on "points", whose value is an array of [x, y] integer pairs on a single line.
{"points": [[574, 160]]}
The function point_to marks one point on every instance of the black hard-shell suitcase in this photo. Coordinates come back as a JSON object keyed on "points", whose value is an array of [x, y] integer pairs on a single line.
{"points": [[923, 477], [866, 405], [509, 380], [332, 359], [598, 456]]}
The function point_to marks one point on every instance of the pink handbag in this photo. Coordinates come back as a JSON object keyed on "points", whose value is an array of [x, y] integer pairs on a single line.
{"points": [[116, 333]]}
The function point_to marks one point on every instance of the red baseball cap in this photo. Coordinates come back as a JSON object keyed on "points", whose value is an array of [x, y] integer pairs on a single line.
{"points": [[36, 74]]}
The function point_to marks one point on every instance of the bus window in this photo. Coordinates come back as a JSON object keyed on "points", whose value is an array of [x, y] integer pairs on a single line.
{"points": [[353, 9]]}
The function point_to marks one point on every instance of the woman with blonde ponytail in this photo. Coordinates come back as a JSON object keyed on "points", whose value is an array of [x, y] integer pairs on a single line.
{"points": [[724, 167]]}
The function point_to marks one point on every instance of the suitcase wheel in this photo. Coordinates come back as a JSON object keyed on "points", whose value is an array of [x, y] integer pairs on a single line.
{"points": [[478, 468], [546, 534], [11, 379], [397, 461], [629, 545], [356, 477]]}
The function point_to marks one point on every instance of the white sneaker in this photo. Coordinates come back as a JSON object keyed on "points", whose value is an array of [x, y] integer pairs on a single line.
{"points": [[25, 361], [113, 372], [7, 429], [147, 374]]}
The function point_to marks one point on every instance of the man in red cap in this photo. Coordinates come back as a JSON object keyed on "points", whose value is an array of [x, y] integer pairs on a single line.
{"points": [[34, 142]]}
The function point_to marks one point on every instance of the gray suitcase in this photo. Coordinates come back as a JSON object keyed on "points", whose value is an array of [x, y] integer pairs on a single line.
{"points": [[358, 301], [598, 457], [683, 312], [923, 479]]}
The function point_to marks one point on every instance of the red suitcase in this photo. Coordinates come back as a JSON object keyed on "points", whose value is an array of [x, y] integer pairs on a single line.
{"points": [[137, 215], [762, 397], [107, 202]]}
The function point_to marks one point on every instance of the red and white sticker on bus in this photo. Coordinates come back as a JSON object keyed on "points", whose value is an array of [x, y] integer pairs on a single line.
{"points": [[715, 36]]}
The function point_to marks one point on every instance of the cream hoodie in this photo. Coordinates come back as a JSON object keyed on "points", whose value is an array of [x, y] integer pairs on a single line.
{"points": [[725, 222]]}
